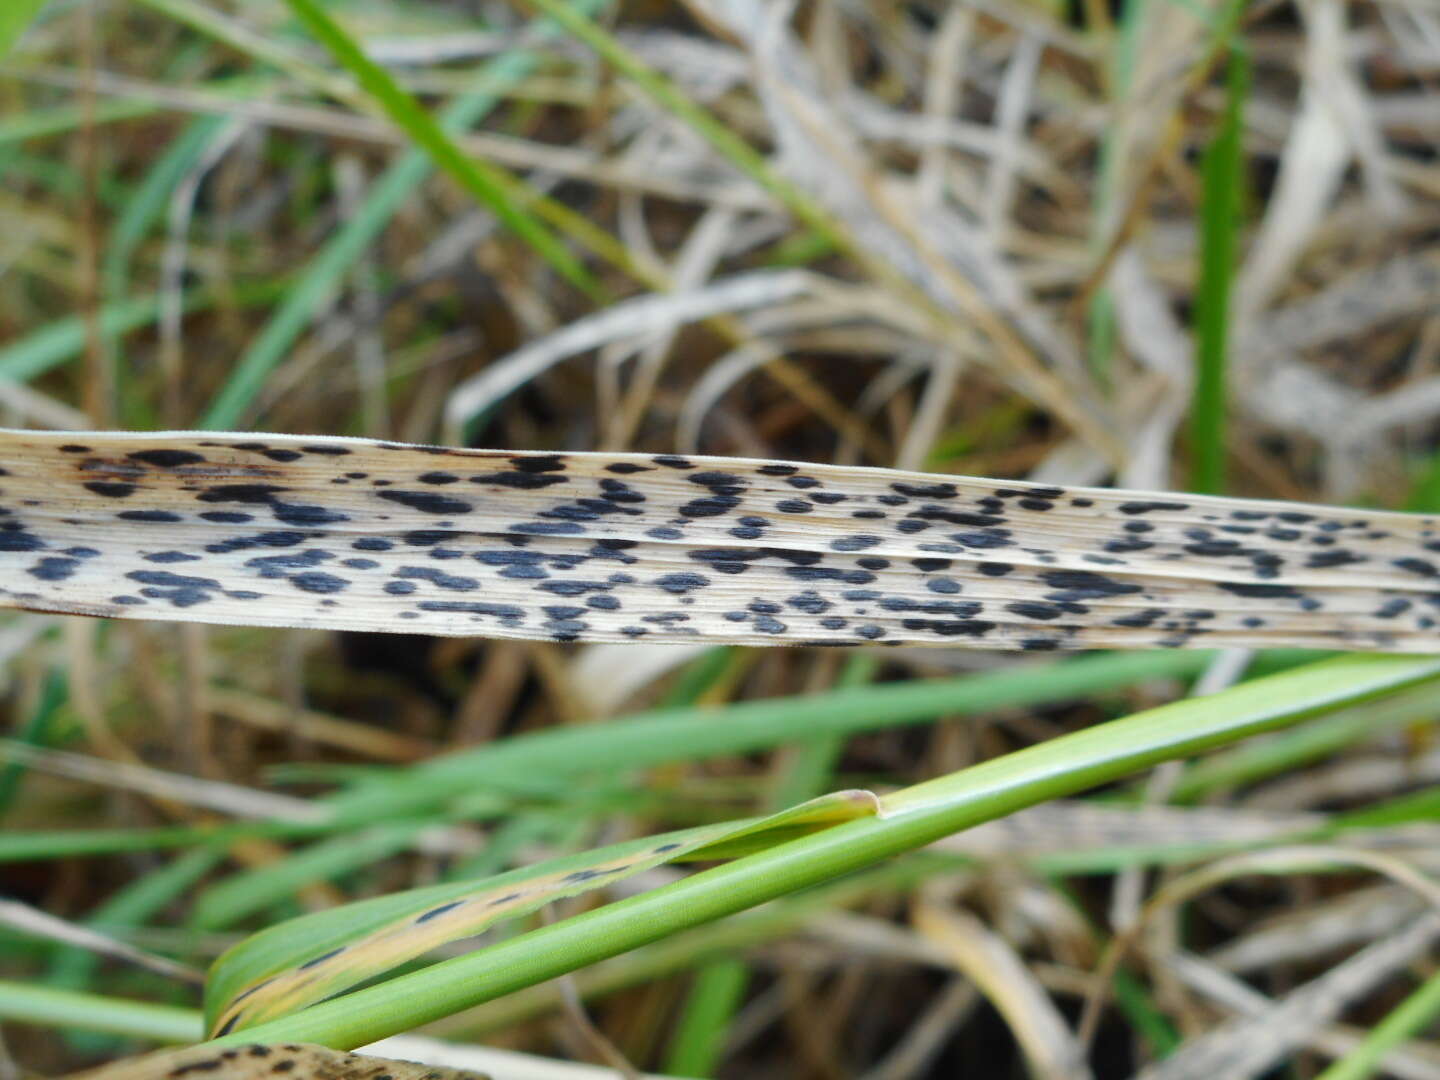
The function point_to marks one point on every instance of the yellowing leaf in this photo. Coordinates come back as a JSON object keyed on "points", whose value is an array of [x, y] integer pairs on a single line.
{"points": [[296, 963]]}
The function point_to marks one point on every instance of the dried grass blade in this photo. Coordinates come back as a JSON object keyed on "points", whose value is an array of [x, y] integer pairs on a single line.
{"points": [[324, 532]]}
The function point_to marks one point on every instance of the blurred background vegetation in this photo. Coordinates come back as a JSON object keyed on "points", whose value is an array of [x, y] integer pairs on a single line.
{"points": [[1186, 244]]}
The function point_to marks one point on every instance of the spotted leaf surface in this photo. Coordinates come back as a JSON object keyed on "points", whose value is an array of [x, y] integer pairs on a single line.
{"points": [[296, 963], [278, 530], [257, 1061]]}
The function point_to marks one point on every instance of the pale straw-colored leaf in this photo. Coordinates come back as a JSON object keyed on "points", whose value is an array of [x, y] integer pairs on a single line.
{"points": [[336, 533]]}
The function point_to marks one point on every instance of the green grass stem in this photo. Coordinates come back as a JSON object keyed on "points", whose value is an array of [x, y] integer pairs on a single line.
{"points": [[915, 817], [1222, 172]]}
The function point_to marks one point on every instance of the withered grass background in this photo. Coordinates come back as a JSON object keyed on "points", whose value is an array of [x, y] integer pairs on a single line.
{"points": [[968, 238]]}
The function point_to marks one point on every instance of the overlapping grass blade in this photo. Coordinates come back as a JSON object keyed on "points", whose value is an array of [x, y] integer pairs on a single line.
{"points": [[316, 956], [909, 819], [491, 186]]}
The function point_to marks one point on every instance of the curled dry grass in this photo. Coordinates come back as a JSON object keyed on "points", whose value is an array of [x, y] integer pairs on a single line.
{"points": [[964, 237]]}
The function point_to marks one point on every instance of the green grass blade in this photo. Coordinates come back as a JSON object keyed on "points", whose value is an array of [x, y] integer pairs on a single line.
{"points": [[35, 733], [1296, 749], [132, 906], [64, 339], [227, 902], [15, 16], [912, 818], [40, 123], [322, 276], [490, 185], [1223, 183], [27, 1003], [700, 1037], [674, 100], [146, 205], [316, 956], [666, 736], [1411, 1017]]}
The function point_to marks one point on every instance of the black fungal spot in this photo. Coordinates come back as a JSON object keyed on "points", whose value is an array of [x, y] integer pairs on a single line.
{"points": [[317, 581], [987, 538], [226, 517], [318, 960], [1338, 557], [154, 517], [427, 537], [53, 569], [165, 579], [208, 1065], [437, 578], [682, 582], [1422, 567], [504, 612], [1260, 592], [926, 491], [539, 463], [794, 506], [1151, 506], [1033, 610], [167, 459], [427, 502], [368, 543], [1084, 585], [438, 478], [711, 506], [549, 528], [74, 448], [928, 566], [950, 628], [1392, 608], [252, 494], [520, 481], [672, 461], [110, 490], [626, 468], [729, 483], [435, 912]]}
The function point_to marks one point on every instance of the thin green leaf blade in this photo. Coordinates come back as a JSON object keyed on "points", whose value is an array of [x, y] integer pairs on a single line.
{"points": [[296, 963], [492, 186]]}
